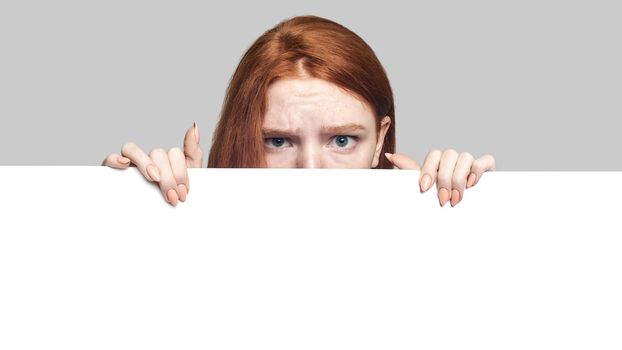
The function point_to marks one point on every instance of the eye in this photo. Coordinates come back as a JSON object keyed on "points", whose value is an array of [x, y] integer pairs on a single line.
{"points": [[344, 140], [275, 142]]}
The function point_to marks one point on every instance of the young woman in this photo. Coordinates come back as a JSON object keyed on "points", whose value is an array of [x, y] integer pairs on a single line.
{"points": [[309, 93]]}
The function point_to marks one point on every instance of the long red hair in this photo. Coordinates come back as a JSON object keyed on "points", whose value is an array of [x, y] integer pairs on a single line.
{"points": [[296, 47]]}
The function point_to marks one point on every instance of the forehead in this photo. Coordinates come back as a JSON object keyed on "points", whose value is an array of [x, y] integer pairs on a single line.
{"points": [[292, 99]]}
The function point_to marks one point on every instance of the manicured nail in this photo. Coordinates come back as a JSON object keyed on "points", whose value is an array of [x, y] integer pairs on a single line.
{"points": [[443, 196], [455, 197], [171, 195], [183, 192], [153, 173], [426, 182], [196, 131], [471, 180], [123, 160], [388, 155]]}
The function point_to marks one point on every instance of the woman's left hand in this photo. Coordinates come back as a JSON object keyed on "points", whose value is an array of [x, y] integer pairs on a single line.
{"points": [[452, 172]]}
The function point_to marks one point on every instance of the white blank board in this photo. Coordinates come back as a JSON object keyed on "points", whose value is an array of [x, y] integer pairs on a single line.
{"points": [[94, 258]]}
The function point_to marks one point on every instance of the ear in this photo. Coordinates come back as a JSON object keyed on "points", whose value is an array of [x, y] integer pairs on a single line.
{"points": [[384, 127]]}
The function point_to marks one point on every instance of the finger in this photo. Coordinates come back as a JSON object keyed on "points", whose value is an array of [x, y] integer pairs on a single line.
{"points": [[180, 172], [459, 179], [168, 185], [117, 161], [192, 148], [141, 160], [479, 166], [401, 161], [445, 174], [429, 170]]}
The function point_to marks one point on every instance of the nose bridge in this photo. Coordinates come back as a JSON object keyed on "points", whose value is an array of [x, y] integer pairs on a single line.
{"points": [[310, 156]]}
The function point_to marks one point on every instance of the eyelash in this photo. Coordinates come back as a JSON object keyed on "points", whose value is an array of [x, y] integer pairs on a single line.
{"points": [[354, 138]]}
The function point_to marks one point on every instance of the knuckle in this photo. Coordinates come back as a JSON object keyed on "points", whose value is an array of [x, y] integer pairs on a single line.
{"points": [[435, 152], [156, 152], [128, 147], [451, 151], [467, 155], [443, 179], [458, 181], [477, 166], [175, 151], [432, 159]]}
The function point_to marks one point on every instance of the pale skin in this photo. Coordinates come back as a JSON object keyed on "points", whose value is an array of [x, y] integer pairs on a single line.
{"points": [[312, 123]]}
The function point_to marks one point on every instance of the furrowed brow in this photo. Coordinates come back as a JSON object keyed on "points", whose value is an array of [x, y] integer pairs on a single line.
{"points": [[327, 129], [342, 129], [271, 132]]}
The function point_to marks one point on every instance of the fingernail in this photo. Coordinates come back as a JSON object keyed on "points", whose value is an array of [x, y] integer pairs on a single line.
{"points": [[425, 183], [171, 195], [388, 155], [123, 160], [153, 173], [471, 180], [196, 131], [443, 196], [455, 197], [183, 192]]}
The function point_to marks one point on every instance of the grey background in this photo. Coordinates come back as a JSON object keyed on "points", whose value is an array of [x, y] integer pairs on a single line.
{"points": [[537, 84]]}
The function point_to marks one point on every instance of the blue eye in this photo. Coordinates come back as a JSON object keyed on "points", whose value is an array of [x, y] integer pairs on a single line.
{"points": [[275, 142], [343, 140], [278, 141]]}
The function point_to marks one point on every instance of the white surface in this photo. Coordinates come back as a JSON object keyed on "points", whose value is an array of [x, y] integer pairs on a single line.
{"points": [[94, 258]]}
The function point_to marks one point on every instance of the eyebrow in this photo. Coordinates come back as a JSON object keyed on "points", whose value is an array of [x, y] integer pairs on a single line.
{"points": [[328, 129]]}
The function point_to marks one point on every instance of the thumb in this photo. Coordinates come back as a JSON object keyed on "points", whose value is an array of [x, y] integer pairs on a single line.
{"points": [[192, 147], [401, 161]]}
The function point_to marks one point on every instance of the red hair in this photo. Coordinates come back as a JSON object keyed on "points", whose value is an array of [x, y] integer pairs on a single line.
{"points": [[297, 47]]}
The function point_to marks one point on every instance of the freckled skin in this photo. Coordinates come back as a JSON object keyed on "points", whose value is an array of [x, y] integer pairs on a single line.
{"points": [[298, 112], [304, 105]]}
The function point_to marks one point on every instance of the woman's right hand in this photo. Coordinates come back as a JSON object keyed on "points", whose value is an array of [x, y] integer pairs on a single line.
{"points": [[169, 170]]}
